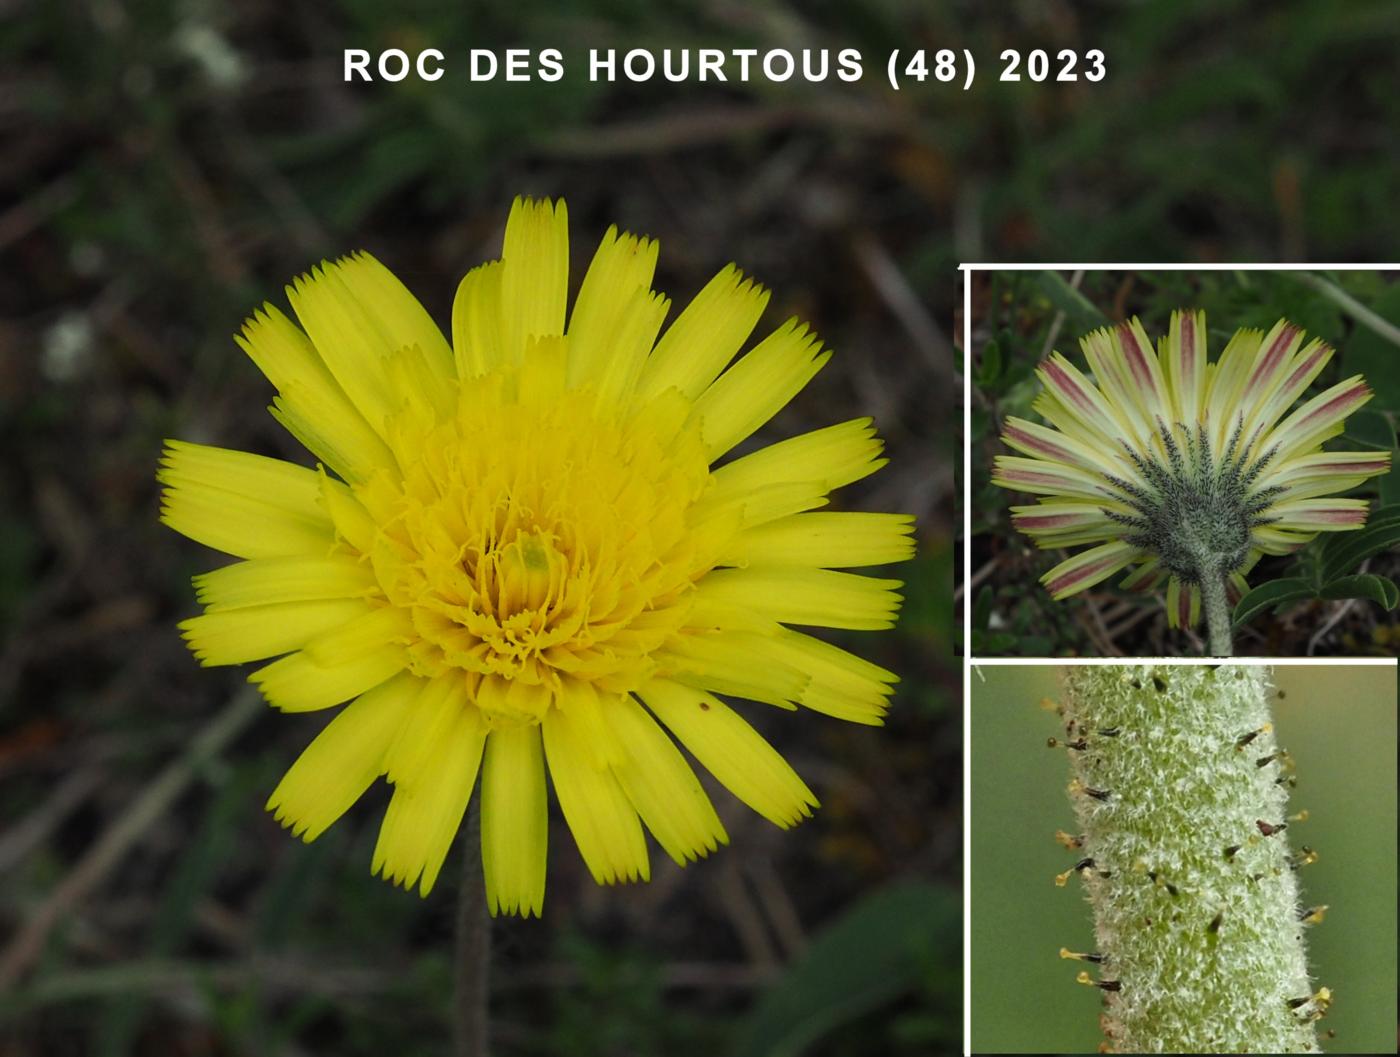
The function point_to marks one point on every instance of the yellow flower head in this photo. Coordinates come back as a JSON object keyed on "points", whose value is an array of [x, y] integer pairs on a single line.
{"points": [[1186, 469], [520, 553]]}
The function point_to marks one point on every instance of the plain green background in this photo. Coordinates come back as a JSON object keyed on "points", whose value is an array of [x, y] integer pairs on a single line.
{"points": [[1339, 723]]}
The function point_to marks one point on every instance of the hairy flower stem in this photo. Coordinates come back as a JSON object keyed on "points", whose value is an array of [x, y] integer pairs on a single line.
{"points": [[1216, 604], [473, 956], [1180, 792]]}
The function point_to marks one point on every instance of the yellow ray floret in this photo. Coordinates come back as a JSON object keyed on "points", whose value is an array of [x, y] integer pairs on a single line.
{"points": [[428, 805], [825, 541], [604, 822], [732, 751], [252, 633], [705, 336], [535, 277], [514, 823], [343, 761], [246, 505], [814, 597], [310, 403], [758, 386], [526, 558], [267, 581], [734, 662]]}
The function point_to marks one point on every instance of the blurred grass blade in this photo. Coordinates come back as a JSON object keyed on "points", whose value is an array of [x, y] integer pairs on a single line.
{"points": [[132, 823], [194, 877], [885, 947]]}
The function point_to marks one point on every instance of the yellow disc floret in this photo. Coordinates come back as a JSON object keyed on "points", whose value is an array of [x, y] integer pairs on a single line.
{"points": [[531, 566]]}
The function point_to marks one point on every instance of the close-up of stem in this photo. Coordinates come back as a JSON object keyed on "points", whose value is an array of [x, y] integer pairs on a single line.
{"points": [[1180, 791]]}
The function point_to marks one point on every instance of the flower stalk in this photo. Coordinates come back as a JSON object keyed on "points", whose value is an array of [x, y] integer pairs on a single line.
{"points": [[1180, 792], [472, 971], [1216, 603]]}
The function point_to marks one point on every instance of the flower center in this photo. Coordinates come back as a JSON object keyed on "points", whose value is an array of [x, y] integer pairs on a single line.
{"points": [[536, 537], [1196, 512]]}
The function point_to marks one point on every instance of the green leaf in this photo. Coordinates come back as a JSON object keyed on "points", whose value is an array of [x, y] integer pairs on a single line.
{"points": [[1268, 595], [1370, 429], [886, 947], [1369, 586], [1344, 551]]}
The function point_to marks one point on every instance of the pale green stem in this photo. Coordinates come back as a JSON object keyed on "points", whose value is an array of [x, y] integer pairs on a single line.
{"points": [[1350, 305], [1216, 604], [1181, 799]]}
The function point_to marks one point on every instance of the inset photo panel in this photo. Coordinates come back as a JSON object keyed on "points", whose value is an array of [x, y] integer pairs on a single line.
{"points": [[1183, 462], [1175, 857]]}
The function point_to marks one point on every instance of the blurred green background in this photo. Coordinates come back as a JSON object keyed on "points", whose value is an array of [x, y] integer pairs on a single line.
{"points": [[168, 165], [1019, 317], [1337, 721]]}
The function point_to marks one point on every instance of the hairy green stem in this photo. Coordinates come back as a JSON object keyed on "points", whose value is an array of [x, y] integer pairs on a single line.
{"points": [[1216, 604], [473, 956], [1180, 792]]}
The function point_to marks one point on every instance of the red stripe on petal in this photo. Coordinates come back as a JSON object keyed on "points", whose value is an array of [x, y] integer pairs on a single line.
{"points": [[1367, 466], [1137, 361], [1338, 517], [1188, 344], [1063, 381], [1301, 371], [1045, 447], [1183, 606], [1033, 477], [1038, 522], [1275, 354], [1086, 572], [1359, 390]]}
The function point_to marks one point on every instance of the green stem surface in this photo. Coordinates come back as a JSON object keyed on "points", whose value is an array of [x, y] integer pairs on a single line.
{"points": [[1195, 902], [1216, 604]]}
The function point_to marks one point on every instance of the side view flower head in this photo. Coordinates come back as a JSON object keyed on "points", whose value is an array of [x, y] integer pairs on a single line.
{"points": [[525, 550], [1185, 470]]}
